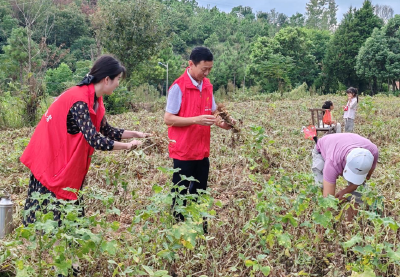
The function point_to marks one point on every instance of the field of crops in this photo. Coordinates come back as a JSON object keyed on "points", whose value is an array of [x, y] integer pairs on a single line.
{"points": [[266, 218]]}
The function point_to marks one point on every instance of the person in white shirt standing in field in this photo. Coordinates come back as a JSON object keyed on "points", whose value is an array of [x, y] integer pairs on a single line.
{"points": [[350, 109]]}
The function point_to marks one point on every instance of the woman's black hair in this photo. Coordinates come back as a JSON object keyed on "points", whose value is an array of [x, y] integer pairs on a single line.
{"points": [[201, 53], [353, 91], [105, 65], [327, 105]]}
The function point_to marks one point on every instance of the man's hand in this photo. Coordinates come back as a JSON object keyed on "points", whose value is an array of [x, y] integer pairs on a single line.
{"points": [[349, 189], [205, 120], [224, 125], [340, 194]]}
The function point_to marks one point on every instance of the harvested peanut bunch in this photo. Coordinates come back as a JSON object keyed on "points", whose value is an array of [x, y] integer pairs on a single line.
{"points": [[224, 115]]}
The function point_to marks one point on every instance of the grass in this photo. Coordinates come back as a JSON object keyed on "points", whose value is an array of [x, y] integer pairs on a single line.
{"points": [[267, 217]]}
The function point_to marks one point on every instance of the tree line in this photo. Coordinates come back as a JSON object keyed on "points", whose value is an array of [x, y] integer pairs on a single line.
{"points": [[47, 46]]}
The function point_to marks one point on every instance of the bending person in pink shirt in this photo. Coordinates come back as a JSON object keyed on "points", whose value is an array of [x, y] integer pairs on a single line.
{"points": [[349, 155]]}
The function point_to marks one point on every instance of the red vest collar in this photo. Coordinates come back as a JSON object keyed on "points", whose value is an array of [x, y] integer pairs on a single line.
{"points": [[189, 84]]}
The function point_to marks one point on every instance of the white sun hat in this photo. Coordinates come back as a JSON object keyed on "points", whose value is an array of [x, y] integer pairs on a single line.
{"points": [[358, 163]]}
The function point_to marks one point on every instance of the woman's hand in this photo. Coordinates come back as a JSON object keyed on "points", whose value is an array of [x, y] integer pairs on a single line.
{"points": [[133, 144], [143, 135], [134, 134]]}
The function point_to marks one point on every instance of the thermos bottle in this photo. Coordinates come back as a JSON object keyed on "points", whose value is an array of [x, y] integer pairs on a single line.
{"points": [[6, 211]]}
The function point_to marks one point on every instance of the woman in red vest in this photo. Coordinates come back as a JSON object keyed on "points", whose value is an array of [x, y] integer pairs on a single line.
{"points": [[59, 152]]}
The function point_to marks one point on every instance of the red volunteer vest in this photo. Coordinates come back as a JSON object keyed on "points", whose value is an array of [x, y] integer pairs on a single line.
{"points": [[57, 159], [192, 142]]}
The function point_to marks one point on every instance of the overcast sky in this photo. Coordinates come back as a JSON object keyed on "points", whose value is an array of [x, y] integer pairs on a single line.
{"points": [[290, 7]]}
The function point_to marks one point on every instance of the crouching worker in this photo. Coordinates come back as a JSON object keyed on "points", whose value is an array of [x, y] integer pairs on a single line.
{"points": [[189, 109], [349, 155]]}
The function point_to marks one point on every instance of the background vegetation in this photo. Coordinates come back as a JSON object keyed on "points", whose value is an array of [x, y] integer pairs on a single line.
{"points": [[47, 46]]}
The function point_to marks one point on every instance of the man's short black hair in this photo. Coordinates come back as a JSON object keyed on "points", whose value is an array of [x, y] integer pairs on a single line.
{"points": [[201, 53]]}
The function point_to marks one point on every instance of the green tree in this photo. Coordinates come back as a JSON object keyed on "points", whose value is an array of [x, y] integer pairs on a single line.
{"points": [[7, 23], [243, 12], [275, 19], [372, 59], [269, 68], [332, 10], [179, 45], [340, 60], [84, 48], [320, 41], [392, 33], [130, 30], [31, 16], [68, 25], [230, 63], [154, 74], [56, 79], [15, 53], [177, 17], [297, 20], [321, 14], [81, 69], [294, 43]]}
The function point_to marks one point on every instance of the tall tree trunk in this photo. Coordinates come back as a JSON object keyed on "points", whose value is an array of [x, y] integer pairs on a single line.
{"points": [[374, 86], [21, 69], [234, 83]]}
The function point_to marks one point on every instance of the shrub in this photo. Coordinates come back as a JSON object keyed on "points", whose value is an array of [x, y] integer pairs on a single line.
{"points": [[56, 79], [11, 109]]}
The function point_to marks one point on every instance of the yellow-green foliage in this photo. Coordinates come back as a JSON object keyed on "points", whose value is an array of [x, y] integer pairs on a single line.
{"points": [[267, 215], [298, 93]]}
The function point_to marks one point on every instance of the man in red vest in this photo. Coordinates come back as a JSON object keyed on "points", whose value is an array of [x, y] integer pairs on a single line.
{"points": [[189, 116]]}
